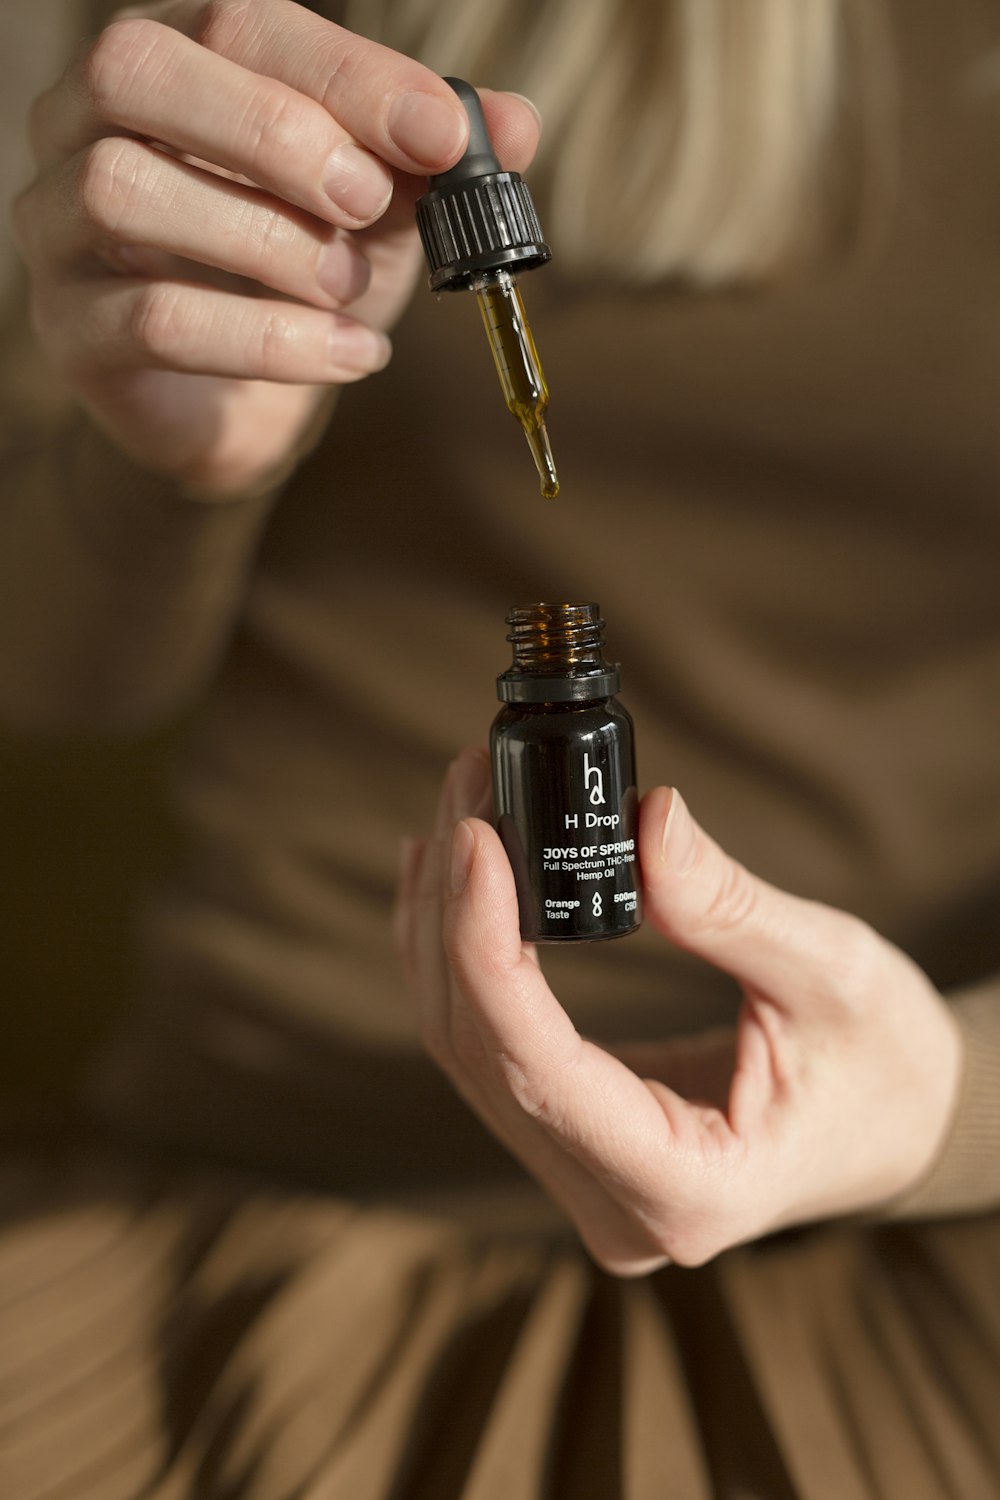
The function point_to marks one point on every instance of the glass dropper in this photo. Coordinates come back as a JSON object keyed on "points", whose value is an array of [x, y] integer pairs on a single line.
{"points": [[479, 227], [519, 368]]}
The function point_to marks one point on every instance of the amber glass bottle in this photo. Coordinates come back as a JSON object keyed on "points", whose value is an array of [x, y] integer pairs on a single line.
{"points": [[564, 778]]}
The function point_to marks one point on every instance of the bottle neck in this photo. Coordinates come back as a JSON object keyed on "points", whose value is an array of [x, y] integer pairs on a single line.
{"points": [[558, 656]]}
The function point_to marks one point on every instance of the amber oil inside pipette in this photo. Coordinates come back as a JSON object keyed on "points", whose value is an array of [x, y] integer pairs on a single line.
{"points": [[519, 368]]}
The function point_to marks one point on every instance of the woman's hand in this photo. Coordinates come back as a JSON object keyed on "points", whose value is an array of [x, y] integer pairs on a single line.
{"points": [[222, 223], [832, 1094]]}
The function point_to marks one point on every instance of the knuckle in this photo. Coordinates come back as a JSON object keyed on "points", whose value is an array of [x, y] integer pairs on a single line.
{"points": [[77, 346], [157, 324], [624, 1252], [276, 343], [273, 128], [734, 900], [532, 1097], [346, 60], [696, 1236], [542, 1089], [853, 972], [694, 1248], [124, 48], [111, 172], [613, 1260], [221, 24], [272, 238], [639, 1243]]}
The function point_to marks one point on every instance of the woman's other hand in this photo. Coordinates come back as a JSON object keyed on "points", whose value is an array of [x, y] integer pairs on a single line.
{"points": [[222, 223], [832, 1094]]}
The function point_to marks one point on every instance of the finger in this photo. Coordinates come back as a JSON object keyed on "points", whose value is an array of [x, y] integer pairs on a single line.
{"points": [[726, 1068], [515, 129], [611, 1231], [465, 784], [425, 961], [411, 854], [581, 1120], [471, 790], [273, 92], [400, 110], [795, 952], [475, 800], [128, 193], [124, 323], [597, 1108], [514, 126], [150, 80]]}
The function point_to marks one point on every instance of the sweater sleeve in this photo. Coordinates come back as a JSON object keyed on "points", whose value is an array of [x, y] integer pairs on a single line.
{"points": [[965, 1177], [118, 590]]}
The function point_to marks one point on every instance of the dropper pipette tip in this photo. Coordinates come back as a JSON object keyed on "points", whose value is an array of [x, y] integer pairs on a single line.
{"points": [[541, 452]]}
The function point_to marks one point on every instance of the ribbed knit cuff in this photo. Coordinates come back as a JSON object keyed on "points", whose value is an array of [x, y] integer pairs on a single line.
{"points": [[965, 1178]]}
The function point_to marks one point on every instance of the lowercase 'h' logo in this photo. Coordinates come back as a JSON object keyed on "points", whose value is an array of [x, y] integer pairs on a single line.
{"points": [[593, 780]]}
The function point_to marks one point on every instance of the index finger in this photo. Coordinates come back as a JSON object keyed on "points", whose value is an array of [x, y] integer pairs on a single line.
{"points": [[152, 76], [393, 105]]}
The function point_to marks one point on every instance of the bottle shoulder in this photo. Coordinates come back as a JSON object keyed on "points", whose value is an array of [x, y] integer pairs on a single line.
{"points": [[552, 721]]}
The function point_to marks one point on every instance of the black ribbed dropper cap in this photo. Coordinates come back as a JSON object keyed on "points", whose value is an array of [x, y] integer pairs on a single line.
{"points": [[475, 217]]}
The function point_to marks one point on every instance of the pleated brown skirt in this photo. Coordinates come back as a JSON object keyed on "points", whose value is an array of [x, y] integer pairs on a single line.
{"points": [[200, 1337]]}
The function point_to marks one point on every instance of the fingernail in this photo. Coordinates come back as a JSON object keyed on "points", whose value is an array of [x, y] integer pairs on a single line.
{"points": [[357, 182], [342, 270], [462, 847], [354, 346], [530, 105], [668, 822], [427, 128]]}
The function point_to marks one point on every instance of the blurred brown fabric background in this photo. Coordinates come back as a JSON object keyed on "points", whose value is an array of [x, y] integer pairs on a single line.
{"points": [[79, 823]]}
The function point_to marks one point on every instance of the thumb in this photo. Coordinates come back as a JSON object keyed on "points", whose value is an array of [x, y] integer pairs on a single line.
{"points": [[704, 901]]}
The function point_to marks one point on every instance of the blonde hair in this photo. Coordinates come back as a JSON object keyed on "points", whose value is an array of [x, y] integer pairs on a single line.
{"points": [[712, 140]]}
